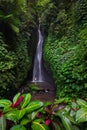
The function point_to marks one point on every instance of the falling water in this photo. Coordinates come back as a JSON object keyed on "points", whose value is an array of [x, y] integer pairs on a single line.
{"points": [[37, 70]]}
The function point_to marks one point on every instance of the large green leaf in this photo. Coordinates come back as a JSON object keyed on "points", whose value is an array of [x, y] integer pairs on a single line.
{"points": [[37, 126], [2, 123], [12, 115], [24, 121], [82, 103], [34, 105], [66, 122], [81, 115], [26, 100], [16, 97], [18, 127], [20, 113], [5, 103]]}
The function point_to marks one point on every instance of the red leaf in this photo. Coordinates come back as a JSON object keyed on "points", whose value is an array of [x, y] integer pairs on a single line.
{"points": [[17, 103]]}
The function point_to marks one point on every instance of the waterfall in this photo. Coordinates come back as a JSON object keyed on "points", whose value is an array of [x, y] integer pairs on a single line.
{"points": [[37, 69]]}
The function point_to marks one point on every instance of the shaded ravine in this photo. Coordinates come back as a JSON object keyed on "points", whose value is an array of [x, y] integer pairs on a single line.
{"points": [[40, 75]]}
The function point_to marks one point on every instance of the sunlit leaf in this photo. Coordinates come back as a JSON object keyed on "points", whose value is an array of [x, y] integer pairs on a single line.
{"points": [[16, 97], [81, 115], [82, 103], [34, 105], [20, 113], [12, 115], [38, 126], [24, 121], [26, 100], [5, 103]]}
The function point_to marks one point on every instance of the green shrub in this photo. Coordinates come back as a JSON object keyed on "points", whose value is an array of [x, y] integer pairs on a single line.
{"points": [[23, 114], [68, 64], [67, 60], [14, 48]]}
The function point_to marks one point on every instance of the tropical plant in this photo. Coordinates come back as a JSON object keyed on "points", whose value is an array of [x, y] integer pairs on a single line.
{"points": [[14, 47], [81, 114], [21, 112], [24, 114]]}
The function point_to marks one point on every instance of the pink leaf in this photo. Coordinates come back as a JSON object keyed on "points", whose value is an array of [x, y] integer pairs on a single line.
{"points": [[18, 102]]}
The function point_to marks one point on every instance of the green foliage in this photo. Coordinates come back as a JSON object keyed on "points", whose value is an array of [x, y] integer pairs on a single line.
{"points": [[48, 17], [9, 14], [13, 65], [14, 49], [7, 63], [42, 3], [81, 11], [60, 23], [18, 127], [55, 18], [23, 59], [22, 113], [81, 114], [68, 63], [38, 125]]}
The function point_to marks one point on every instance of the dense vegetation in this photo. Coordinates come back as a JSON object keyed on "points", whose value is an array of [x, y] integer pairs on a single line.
{"points": [[64, 27], [65, 48], [15, 58], [23, 114]]}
